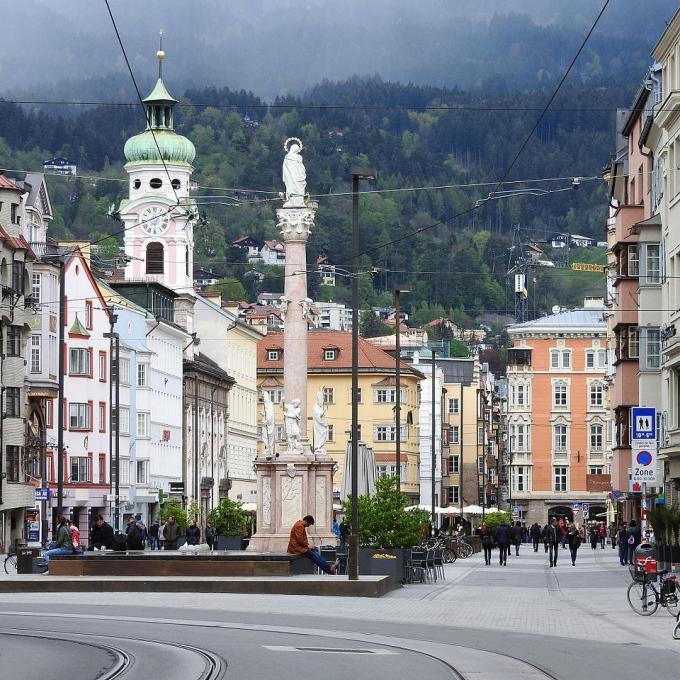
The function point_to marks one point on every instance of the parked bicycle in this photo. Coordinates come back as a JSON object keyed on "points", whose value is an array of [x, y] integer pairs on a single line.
{"points": [[10, 563], [644, 597]]}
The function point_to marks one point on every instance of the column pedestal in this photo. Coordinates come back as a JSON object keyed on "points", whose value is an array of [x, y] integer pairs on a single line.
{"points": [[288, 488]]}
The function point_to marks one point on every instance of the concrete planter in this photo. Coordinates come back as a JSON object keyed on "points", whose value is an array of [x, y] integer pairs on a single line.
{"points": [[229, 543], [669, 555], [383, 567]]}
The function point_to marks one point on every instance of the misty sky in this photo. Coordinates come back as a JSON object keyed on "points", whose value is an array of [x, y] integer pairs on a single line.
{"points": [[276, 47]]}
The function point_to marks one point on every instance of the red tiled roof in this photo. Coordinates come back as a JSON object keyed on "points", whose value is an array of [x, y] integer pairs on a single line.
{"points": [[370, 357], [7, 183], [16, 242]]}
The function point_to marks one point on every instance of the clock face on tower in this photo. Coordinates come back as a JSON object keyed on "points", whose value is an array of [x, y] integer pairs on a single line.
{"points": [[155, 220]]}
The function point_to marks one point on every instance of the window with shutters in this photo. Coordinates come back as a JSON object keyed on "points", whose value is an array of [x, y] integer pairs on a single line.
{"points": [[154, 258]]}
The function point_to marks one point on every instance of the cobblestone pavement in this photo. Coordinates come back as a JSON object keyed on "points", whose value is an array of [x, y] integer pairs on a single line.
{"points": [[586, 601]]}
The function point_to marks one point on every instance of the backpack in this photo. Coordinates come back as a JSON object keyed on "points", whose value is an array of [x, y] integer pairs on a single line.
{"points": [[631, 540]]}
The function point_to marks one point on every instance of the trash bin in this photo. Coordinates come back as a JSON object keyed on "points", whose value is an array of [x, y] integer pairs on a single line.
{"points": [[645, 562], [25, 557]]}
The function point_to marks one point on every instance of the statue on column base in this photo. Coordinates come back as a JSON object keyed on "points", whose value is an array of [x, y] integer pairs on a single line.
{"points": [[292, 414], [320, 426]]}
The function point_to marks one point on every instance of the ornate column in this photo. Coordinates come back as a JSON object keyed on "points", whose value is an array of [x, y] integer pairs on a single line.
{"points": [[295, 225], [291, 480]]}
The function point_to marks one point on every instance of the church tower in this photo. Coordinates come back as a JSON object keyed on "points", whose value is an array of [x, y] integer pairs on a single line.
{"points": [[159, 214]]}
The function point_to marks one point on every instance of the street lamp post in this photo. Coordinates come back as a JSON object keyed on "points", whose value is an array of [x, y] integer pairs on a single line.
{"points": [[397, 379], [60, 413], [433, 434], [115, 391], [358, 173]]}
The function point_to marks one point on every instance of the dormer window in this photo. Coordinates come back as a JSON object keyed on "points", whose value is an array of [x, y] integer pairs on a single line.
{"points": [[329, 355], [273, 354]]}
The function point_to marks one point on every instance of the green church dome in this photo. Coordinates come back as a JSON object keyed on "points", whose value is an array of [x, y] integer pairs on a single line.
{"points": [[174, 148]]}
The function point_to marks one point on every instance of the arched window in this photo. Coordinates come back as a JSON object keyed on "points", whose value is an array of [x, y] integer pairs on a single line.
{"points": [[154, 258]]}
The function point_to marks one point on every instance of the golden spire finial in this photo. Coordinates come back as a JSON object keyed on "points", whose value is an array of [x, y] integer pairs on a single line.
{"points": [[160, 55]]}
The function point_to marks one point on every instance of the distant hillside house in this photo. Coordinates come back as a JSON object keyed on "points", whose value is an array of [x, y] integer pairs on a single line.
{"points": [[60, 165], [204, 278], [252, 247], [273, 253], [582, 241], [326, 270]]}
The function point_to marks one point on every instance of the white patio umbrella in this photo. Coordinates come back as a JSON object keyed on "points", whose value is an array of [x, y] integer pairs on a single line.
{"points": [[365, 472], [450, 510], [472, 510]]}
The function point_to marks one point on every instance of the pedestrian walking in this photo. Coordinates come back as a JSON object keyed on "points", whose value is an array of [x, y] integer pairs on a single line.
{"points": [[517, 536], [487, 542], [161, 536], [154, 533], [503, 538], [612, 535], [142, 528], [193, 533], [211, 535], [622, 539], [525, 533], [603, 535], [574, 541], [634, 537], [594, 537], [171, 533], [554, 536], [535, 533], [563, 531], [544, 536]]}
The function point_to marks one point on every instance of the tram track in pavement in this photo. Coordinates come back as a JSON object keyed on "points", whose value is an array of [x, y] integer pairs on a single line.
{"points": [[461, 662], [134, 658]]}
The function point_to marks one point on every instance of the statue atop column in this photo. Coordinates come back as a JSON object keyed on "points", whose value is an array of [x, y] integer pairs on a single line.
{"points": [[320, 425], [294, 174]]}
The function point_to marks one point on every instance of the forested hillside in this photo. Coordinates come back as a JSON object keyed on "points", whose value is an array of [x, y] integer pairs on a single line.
{"points": [[409, 133]]}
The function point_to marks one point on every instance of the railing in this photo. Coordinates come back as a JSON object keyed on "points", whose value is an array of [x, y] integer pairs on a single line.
{"points": [[43, 250]]}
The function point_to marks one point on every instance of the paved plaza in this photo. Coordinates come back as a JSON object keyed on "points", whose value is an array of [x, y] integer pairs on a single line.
{"points": [[573, 621]]}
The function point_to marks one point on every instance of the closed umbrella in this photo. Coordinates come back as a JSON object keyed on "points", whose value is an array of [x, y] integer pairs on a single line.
{"points": [[365, 472]]}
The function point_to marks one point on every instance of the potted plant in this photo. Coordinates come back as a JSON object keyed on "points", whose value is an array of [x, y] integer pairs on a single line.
{"points": [[386, 528], [666, 524], [230, 520]]}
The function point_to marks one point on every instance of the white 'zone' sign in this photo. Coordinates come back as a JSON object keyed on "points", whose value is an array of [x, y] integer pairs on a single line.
{"points": [[644, 465]]}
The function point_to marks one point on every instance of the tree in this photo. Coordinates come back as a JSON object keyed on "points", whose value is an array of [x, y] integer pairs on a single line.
{"points": [[231, 289], [229, 518], [174, 509], [371, 326], [457, 348], [384, 520]]}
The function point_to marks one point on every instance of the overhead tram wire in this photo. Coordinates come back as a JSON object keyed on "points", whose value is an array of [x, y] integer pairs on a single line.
{"points": [[339, 107], [463, 213]]}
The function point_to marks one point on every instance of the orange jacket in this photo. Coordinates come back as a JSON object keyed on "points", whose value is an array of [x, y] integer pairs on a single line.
{"points": [[298, 543]]}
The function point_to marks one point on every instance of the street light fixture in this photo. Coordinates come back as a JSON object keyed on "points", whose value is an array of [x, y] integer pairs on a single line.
{"points": [[397, 380], [358, 173]]}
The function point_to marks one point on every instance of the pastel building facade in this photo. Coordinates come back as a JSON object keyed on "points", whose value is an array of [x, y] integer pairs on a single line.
{"points": [[557, 415]]}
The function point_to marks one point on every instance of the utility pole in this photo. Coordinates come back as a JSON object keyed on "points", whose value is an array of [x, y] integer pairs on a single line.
{"points": [[353, 557]]}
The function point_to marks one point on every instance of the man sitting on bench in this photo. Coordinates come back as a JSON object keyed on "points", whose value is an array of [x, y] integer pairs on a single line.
{"points": [[300, 544]]}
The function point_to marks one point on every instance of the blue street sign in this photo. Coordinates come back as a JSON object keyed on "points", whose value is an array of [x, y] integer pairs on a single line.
{"points": [[644, 423], [42, 494], [575, 506], [586, 509]]}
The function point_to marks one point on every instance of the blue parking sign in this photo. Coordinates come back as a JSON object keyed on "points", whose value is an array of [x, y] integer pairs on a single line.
{"points": [[644, 423]]}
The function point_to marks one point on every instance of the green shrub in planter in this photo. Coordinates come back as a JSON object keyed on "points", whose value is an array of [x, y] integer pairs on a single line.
{"points": [[384, 521], [174, 509], [229, 518], [495, 518]]}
